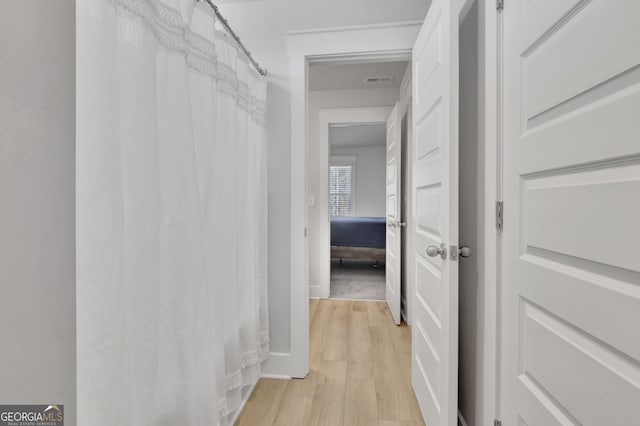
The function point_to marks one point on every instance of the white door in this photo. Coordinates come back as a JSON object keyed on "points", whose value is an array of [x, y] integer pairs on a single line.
{"points": [[571, 283], [435, 215], [393, 263]]}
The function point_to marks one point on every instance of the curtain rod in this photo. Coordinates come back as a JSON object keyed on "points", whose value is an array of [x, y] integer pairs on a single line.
{"points": [[226, 25]]}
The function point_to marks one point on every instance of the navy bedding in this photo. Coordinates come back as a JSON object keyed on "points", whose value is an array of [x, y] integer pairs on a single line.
{"points": [[354, 231]]}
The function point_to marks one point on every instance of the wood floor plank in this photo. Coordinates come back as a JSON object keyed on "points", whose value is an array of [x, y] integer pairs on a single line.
{"points": [[328, 404], [337, 341], [401, 336], [360, 374], [377, 344], [394, 387], [333, 371], [377, 314], [414, 409], [297, 400], [318, 327], [359, 306], [360, 403], [359, 342], [263, 403], [313, 306], [402, 345], [385, 376]]}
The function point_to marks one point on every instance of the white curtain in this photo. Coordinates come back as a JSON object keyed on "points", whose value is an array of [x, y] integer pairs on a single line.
{"points": [[172, 322]]}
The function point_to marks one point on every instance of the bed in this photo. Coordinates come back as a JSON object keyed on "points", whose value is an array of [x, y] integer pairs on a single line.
{"points": [[358, 237]]}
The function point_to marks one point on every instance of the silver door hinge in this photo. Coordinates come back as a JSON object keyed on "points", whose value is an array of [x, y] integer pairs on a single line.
{"points": [[499, 4], [497, 422], [499, 214]]}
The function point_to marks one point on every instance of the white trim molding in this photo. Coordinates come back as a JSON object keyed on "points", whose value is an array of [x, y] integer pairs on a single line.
{"points": [[405, 108], [276, 364], [390, 40], [354, 28], [315, 292], [490, 121], [371, 41], [275, 376]]}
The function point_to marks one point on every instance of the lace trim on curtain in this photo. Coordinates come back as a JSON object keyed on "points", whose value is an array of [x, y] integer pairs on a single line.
{"points": [[223, 409], [247, 360], [264, 338], [200, 54], [234, 381]]}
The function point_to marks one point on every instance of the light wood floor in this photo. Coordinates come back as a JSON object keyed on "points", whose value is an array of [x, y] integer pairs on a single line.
{"points": [[360, 365]]}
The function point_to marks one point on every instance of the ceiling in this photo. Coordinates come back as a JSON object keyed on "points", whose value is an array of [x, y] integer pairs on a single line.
{"points": [[325, 76], [263, 24], [358, 135], [286, 15]]}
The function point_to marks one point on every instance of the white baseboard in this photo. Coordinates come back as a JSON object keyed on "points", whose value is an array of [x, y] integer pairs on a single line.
{"points": [[278, 365], [357, 300], [461, 420], [315, 292], [275, 376]]}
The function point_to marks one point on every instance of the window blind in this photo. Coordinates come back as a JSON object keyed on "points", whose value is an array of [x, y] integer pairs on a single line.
{"points": [[340, 196]]}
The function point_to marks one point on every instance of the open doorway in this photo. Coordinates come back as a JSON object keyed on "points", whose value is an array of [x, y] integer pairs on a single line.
{"points": [[355, 168], [357, 210], [433, 94], [350, 103]]}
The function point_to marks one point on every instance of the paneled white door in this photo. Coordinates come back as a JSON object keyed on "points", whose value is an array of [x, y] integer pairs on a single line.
{"points": [[435, 215], [571, 283], [393, 263]]}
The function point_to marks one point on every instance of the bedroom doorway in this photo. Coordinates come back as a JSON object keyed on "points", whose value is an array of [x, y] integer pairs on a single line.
{"points": [[348, 187], [357, 210]]}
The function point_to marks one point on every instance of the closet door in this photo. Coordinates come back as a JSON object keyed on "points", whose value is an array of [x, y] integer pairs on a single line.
{"points": [[571, 283]]}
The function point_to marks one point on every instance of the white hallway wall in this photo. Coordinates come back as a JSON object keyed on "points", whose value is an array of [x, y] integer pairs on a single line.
{"points": [[369, 178], [262, 26], [37, 204]]}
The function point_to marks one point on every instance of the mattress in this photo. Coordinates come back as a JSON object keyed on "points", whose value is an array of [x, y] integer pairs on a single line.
{"points": [[357, 231]]}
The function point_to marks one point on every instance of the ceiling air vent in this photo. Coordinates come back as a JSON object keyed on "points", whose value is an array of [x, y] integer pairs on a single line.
{"points": [[378, 80]]}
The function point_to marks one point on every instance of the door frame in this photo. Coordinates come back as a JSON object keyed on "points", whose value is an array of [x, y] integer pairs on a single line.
{"points": [[405, 109], [490, 133], [356, 44], [328, 116], [389, 42]]}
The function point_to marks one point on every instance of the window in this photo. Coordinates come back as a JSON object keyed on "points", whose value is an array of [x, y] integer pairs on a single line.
{"points": [[341, 177]]}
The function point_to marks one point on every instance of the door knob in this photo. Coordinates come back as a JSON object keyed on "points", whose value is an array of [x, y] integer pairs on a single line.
{"points": [[391, 224], [464, 251], [434, 251], [401, 224]]}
